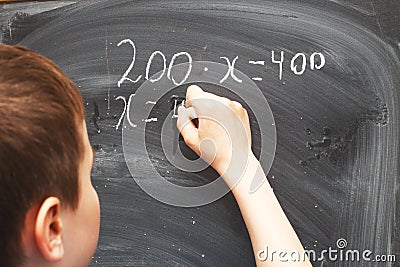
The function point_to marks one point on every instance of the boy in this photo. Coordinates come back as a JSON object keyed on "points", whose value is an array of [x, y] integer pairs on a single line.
{"points": [[49, 210]]}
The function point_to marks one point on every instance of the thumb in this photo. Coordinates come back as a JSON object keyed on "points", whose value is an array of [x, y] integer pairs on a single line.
{"points": [[187, 129]]}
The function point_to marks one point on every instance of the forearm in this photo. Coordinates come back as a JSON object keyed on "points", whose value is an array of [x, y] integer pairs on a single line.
{"points": [[229, 132], [267, 224]]}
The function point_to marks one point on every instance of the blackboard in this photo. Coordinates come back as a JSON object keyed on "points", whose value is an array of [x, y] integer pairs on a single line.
{"points": [[335, 170]]}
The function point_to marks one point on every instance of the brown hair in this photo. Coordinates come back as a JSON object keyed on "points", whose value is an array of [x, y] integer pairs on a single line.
{"points": [[41, 147]]}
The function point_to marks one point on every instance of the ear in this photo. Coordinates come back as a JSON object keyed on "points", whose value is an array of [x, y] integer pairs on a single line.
{"points": [[48, 230]]}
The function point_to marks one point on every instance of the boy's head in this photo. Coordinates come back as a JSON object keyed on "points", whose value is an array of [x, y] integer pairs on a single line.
{"points": [[49, 210]]}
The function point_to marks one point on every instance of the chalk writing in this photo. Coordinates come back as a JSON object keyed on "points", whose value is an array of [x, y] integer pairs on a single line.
{"points": [[231, 67], [317, 62], [298, 65], [313, 64], [172, 63], [175, 113], [280, 62], [125, 111], [293, 65], [150, 120], [149, 64], [259, 62], [125, 76]]}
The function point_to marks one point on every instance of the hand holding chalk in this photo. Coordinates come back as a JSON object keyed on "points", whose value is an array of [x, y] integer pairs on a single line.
{"points": [[222, 137]]}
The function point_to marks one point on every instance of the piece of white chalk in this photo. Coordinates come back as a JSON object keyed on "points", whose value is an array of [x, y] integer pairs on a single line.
{"points": [[191, 112]]}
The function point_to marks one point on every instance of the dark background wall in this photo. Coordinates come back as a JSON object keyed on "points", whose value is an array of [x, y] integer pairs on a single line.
{"points": [[345, 189]]}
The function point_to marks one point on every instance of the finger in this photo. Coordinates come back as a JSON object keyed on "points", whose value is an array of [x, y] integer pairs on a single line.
{"points": [[193, 92], [187, 128], [191, 111]]}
